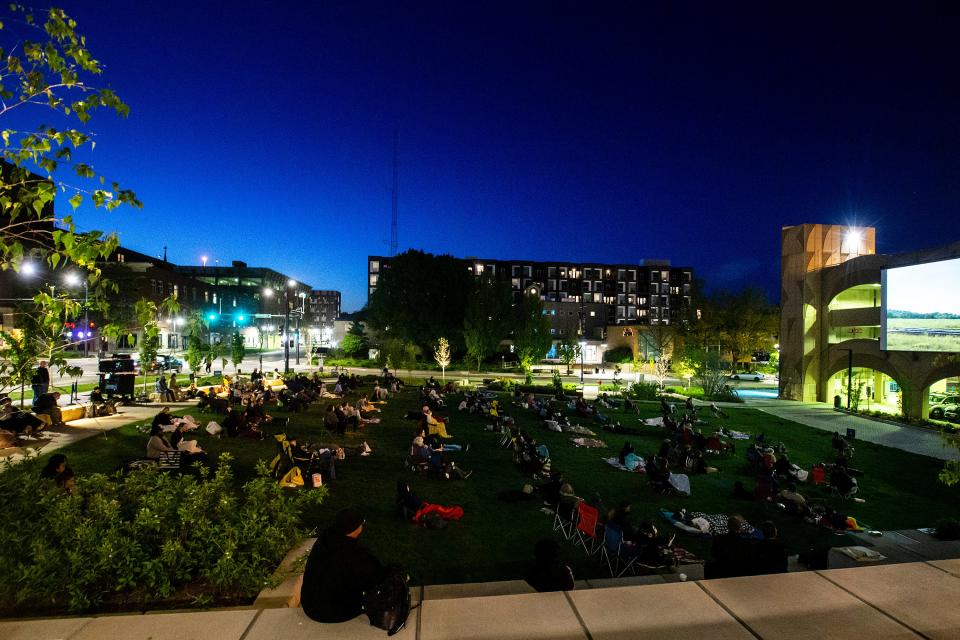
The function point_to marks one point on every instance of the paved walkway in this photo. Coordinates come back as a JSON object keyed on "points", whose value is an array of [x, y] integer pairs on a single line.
{"points": [[822, 416], [54, 438], [912, 600]]}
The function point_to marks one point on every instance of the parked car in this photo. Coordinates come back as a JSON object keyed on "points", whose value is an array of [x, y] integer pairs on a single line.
{"points": [[952, 414], [756, 376], [167, 363], [939, 409]]}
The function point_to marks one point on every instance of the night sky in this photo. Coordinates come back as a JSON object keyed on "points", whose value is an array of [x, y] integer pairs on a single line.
{"points": [[571, 131]]}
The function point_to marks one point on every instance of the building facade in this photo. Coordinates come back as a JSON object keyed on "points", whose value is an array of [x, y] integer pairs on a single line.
{"points": [[830, 347], [653, 292]]}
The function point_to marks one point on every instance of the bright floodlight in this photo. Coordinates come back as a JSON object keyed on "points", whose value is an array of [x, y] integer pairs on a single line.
{"points": [[72, 279], [267, 292], [28, 269], [291, 282]]}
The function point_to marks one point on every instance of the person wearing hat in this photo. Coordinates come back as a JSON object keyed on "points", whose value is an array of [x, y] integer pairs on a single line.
{"points": [[339, 570]]}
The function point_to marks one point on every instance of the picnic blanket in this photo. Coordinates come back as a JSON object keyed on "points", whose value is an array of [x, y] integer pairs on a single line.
{"points": [[735, 435], [861, 554], [710, 523], [577, 429], [653, 422], [615, 463], [589, 443]]}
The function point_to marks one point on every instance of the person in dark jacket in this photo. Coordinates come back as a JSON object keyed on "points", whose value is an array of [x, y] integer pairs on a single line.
{"points": [[547, 572], [732, 552], [40, 381], [339, 570], [770, 556]]}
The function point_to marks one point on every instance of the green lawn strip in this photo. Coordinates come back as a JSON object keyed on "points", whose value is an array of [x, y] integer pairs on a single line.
{"points": [[494, 540]]}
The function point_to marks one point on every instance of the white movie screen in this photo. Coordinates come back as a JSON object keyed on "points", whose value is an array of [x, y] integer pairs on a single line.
{"points": [[921, 309]]}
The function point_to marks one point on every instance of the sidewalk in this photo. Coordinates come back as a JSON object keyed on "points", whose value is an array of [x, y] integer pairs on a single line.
{"points": [[902, 601], [54, 438], [822, 416]]}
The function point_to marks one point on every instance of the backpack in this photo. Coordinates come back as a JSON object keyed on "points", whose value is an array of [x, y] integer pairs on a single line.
{"points": [[388, 605]]}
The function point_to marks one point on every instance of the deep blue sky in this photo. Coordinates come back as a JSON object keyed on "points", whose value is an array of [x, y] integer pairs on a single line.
{"points": [[583, 131]]}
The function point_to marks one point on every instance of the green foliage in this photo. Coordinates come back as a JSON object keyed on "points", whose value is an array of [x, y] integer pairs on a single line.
{"points": [[531, 333], [644, 391], [197, 340], [619, 355], [49, 66], [140, 539], [38, 337], [486, 322], [353, 345], [238, 349], [422, 296]]}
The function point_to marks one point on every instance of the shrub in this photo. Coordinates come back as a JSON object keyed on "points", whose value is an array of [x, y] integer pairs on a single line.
{"points": [[142, 538], [619, 355], [644, 391], [502, 384]]}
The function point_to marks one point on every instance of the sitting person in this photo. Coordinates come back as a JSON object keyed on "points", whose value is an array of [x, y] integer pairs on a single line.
{"points": [[365, 406], [769, 554], [18, 422], [99, 405], [435, 397], [188, 448], [56, 464], [843, 482], [547, 572], [49, 404], [650, 548], [173, 388], [163, 419], [434, 425], [160, 387], [626, 450], [620, 518], [732, 552], [157, 443], [339, 571], [794, 502]]}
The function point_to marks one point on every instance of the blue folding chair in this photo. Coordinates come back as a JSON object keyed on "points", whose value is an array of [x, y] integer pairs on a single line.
{"points": [[612, 552]]}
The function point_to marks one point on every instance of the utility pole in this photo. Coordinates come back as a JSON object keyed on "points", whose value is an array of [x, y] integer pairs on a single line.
{"points": [[286, 330]]}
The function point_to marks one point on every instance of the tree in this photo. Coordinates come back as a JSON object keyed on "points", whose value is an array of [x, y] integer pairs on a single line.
{"points": [[48, 65], [38, 337], [745, 323], [531, 333], [354, 344], [442, 355], [658, 340], [238, 349], [486, 322], [421, 296], [569, 350], [146, 312], [197, 341]]}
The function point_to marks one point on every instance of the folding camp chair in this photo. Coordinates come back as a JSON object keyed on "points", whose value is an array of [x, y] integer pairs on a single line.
{"points": [[612, 552], [587, 531], [566, 523]]}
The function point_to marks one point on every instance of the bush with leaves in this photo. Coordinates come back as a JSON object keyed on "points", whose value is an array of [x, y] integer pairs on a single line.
{"points": [[142, 539], [618, 355], [644, 391]]}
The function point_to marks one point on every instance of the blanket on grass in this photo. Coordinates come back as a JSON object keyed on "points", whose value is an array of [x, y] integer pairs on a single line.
{"points": [[588, 443], [615, 463]]}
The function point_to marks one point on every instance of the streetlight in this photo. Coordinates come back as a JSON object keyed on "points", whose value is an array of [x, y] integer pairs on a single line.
{"points": [[583, 345], [72, 279], [28, 268], [203, 259]]}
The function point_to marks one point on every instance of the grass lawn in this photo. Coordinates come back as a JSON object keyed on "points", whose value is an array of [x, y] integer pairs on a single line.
{"points": [[494, 541]]}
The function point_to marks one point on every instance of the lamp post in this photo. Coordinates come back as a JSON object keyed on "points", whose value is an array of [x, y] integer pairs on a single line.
{"points": [[583, 347], [73, 280]]}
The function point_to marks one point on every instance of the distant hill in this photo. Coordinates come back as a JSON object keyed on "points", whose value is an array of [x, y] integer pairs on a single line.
{"points": [[897, 313]]}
